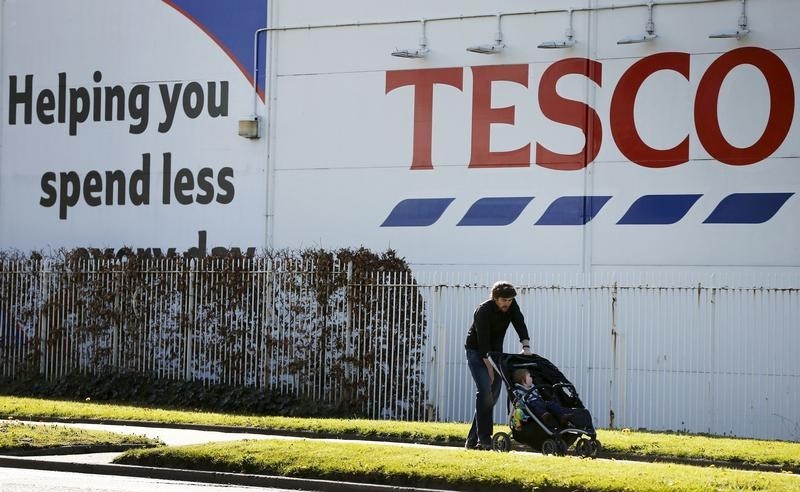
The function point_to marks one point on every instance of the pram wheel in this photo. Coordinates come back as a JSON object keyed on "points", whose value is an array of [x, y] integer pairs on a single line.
{"points": [[587, 448], [551, 446], [562, 447], [501, 442], [594, 448], [582, 448]]}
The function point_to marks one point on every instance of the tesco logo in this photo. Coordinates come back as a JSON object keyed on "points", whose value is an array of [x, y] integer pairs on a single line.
{"points": [[621, 117]]}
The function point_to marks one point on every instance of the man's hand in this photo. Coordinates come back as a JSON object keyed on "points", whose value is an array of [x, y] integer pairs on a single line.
{"points": [[526, 347]]}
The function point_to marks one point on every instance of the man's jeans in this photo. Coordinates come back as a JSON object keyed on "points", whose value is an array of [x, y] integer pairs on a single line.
{"points": [[485, 398]]}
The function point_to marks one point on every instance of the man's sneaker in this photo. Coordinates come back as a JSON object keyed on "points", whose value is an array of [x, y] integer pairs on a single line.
{"points": [[470, 445]]}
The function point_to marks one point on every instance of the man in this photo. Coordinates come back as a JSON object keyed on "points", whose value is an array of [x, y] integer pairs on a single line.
{"points": [[489, 325]]}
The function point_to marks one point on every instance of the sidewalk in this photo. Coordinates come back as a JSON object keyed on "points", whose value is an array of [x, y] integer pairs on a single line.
{"points": [[101, 463]]}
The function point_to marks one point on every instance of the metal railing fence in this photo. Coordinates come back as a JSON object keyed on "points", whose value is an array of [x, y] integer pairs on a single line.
{"points": [[703, 359], [285, 325]]}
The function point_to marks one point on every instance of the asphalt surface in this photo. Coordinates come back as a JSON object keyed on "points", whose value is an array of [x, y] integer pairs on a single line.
{"points": [[101, 463], [34, 480]]}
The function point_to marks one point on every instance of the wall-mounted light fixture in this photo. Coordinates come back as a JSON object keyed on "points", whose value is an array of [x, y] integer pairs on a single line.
{"points": [[417, 53], [491, 49], [569, 42], [738, 33], [649, 30], [248, 127]]}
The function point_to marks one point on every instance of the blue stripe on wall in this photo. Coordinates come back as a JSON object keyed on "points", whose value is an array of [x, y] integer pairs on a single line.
{"points": [[231, 24], [747, 208], [417, 212], [495, 211], [572, 210], [658, 209]]}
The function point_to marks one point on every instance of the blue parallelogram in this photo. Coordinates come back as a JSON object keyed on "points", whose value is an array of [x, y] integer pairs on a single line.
{"points": [[417, 212], [747, 208], [495, 211], [658, 209], [572, 210]]}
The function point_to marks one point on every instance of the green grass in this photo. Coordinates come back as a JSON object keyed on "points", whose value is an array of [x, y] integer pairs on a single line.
{"points": [[645, 444], [16, 437], [450, 468]]}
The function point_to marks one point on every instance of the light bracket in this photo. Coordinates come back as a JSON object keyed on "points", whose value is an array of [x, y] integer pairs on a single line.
{"points": [[740, 32], [649, 30], [420, 52], [493, 48], [568, 42]]}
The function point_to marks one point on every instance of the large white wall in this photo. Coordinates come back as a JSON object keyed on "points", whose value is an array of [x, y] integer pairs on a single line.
{"points": [[342, 145]]}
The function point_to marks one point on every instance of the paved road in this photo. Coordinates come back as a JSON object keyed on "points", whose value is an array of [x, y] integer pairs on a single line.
{"points": [[22, 480]]}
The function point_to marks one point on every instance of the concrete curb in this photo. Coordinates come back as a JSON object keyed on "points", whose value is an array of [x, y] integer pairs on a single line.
{"points": [[244, 479]]}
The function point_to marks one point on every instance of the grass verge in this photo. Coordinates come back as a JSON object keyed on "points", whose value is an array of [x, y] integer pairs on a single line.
{"points": [[450, 468], [17, 438], [635, 443]]}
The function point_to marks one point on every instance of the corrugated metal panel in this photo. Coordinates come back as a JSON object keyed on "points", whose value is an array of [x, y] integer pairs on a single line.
{"points": [[697, 359]]}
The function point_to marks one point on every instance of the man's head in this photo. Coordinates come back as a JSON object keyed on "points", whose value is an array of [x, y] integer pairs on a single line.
{"points": [[503, 294]]}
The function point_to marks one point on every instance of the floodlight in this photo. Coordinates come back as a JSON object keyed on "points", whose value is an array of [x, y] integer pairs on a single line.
{"points": [[491, 49], [737, 33], [649, 30], [417, 53], [420, 52], [487, 49], [640, 38], [565, 43]]}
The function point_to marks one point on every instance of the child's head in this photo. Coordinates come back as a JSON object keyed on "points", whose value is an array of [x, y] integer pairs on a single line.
{"points": [[521, 376]]}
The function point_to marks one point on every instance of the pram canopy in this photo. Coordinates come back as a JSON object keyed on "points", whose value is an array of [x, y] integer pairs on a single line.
{"points": [[545, 375]]}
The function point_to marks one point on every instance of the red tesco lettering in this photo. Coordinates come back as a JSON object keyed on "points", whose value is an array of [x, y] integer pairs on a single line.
{"points": [[621, 112]]}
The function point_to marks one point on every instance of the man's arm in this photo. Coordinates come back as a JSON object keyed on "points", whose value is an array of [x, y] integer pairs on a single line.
{"points": [[518, 321], [483, 331]]}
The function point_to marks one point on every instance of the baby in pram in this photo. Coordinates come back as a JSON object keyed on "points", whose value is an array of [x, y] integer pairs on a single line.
{"points": [[548, 411]]}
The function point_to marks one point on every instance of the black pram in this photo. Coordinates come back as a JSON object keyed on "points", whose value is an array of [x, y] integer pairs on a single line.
{"points": [[551, 385]]}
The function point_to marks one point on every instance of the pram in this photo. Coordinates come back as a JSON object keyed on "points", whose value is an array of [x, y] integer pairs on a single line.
{"points": [[551, 385]]}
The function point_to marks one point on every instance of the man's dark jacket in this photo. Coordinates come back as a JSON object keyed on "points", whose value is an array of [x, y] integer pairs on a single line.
{"points": [[489, 327]]}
